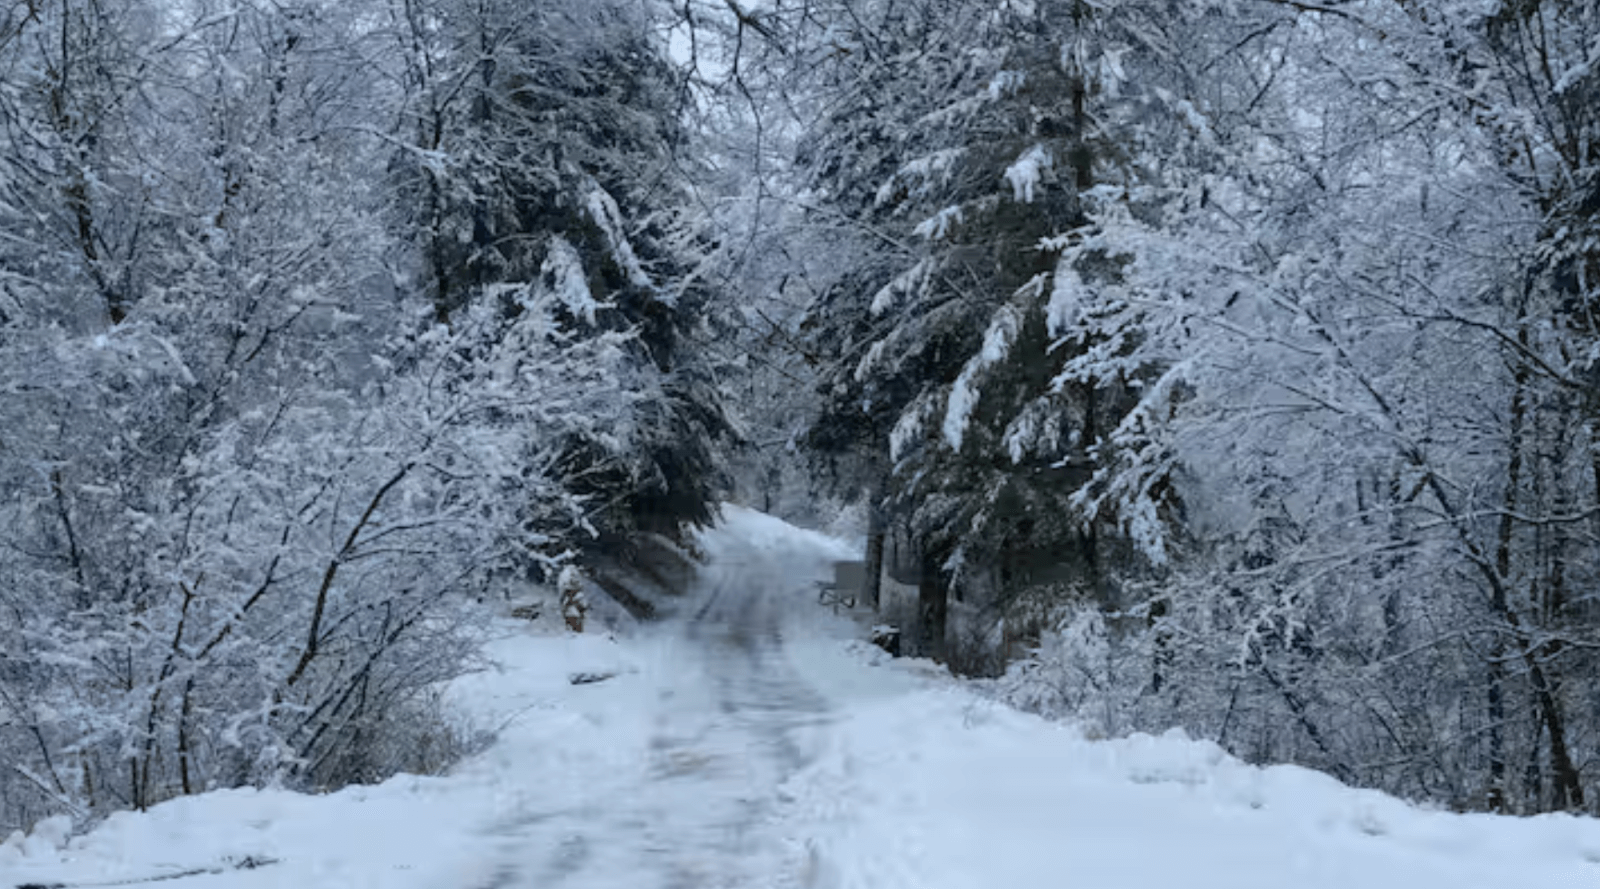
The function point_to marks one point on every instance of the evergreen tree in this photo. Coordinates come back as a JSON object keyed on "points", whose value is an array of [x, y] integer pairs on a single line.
{"points": [[549, 148], [944, 384]]}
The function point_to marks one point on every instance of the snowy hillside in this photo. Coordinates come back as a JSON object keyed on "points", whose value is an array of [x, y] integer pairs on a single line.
{"points": [[753, 744]]}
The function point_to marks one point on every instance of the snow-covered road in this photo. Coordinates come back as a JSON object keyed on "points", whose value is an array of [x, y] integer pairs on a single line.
{"points": [[724, 720], [747, 743]]}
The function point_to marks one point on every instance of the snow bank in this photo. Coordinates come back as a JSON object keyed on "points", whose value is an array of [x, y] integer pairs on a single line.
{"points": [[409, 831], [940, 789]]}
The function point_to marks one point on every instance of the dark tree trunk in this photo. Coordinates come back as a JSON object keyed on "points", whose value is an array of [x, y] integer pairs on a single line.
{"points": [[1502, 567], [1564, 772], [933, 606], [872, 589]]}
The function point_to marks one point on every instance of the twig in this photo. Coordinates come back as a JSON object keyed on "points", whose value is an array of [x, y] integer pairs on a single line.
{"points": [[249, 862], [45, 789]]}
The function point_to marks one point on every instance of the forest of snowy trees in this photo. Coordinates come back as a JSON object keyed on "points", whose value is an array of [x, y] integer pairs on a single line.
{"points": [[320, 322], [1223, 364]]}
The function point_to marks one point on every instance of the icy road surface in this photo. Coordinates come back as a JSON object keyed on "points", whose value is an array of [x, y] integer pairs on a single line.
{"points": [[750, 744]]}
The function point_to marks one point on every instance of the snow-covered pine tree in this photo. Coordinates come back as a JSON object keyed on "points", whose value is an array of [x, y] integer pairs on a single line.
{"points": [[546, 144], [943, 387]]}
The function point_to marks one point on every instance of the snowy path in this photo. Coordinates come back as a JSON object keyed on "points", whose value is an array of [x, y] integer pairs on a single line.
{"points": [[729, 721], [747, 745]]}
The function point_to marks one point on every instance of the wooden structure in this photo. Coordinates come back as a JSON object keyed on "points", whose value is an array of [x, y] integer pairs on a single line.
{"points": [[849, 579]]}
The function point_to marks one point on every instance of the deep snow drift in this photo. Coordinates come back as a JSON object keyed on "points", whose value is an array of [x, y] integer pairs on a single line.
{"points": [[749, 743]]}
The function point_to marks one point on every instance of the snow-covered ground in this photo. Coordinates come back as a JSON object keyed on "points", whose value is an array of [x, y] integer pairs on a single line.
{"points": [[751, 744]]}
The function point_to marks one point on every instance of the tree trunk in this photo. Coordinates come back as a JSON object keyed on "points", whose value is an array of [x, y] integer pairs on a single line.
{"points": [[873, 587], [185, 751], [1496, 797], [933, 607], [1564, 773]]}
